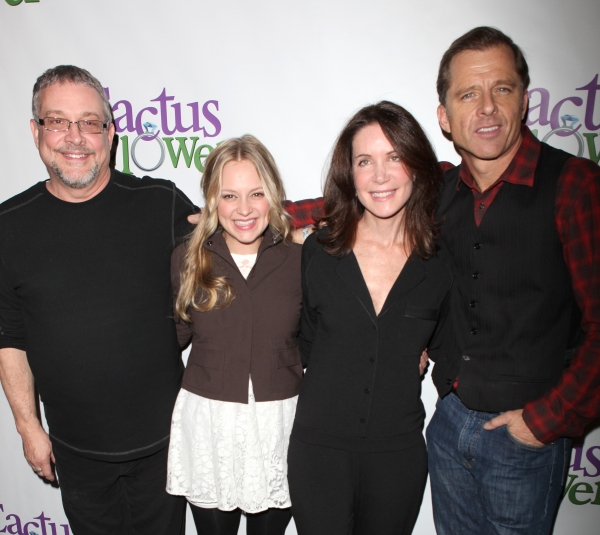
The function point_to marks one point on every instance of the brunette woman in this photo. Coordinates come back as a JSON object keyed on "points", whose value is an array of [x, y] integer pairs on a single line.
{"points": [[237, 298], [373, 291]]}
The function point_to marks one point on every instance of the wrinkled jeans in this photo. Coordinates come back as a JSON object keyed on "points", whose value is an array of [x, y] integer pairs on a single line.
{"points": [[487, 482]]}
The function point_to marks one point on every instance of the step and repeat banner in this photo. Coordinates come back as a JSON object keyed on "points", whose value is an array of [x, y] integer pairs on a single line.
{"points": [[183, 76]]}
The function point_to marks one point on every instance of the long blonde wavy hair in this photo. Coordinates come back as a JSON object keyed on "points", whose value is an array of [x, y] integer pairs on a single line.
{"points": [[201, 289]]}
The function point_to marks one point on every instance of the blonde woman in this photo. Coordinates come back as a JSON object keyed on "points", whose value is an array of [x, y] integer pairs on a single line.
{"points": [[238, 299]]}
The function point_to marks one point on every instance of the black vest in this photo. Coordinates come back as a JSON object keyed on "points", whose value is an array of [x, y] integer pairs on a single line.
{"points": [[513, 313]]}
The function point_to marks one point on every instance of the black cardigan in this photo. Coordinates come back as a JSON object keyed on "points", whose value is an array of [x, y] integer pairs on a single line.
{"points": [[361, 391]]}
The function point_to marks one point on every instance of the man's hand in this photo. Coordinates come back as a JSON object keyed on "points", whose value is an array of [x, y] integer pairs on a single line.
{"points": [[423, 362], [516, 426], [37, 449], [18, 384], [194, 219]]}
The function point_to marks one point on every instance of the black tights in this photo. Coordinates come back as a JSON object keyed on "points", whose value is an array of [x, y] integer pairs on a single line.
{"points": [[216, 522]]}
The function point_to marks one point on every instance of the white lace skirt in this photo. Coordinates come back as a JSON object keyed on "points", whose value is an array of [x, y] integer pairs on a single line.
{"points": [[230, 455]]}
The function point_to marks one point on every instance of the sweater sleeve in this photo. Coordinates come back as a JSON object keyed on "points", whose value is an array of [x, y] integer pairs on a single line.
{"points": [[182, 208], [12, 328], [184, 329]]}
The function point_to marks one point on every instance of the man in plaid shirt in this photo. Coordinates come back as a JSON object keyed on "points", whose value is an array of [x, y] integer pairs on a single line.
{"points": [[520, 370], [521, 221]]}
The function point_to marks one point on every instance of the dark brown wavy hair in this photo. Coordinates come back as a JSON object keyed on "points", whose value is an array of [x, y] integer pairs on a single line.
{"points": [[342, 208]]}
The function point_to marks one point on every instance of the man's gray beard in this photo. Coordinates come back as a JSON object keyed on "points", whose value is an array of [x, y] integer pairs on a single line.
{"points": [[81, 183]]}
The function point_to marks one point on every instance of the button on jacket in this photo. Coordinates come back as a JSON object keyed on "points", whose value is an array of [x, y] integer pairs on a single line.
{"points": [[362, 387], [256, 335]]}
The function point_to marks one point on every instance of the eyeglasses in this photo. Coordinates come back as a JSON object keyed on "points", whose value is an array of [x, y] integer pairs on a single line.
{"points": [[87, 126]]}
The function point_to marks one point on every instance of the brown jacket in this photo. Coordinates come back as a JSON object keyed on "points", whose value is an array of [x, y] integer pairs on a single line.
{"points": [[255, 335]]}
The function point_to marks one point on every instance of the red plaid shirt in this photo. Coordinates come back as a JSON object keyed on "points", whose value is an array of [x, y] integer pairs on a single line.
{"points": [[575, 401], [304, 212]]}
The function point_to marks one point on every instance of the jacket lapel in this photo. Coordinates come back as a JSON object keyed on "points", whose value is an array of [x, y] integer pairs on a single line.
{"points": [[349, 272], [412, 274], [216, 243], [274, 256]]}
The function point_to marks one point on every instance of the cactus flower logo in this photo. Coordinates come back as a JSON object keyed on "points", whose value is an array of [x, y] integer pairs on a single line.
{"points": [[166, 132], [583, 481], [38, 525], [568, 122]]}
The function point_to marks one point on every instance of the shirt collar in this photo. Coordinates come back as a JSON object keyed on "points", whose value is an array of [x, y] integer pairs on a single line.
{"points": [[217, 244], [521, 169]]}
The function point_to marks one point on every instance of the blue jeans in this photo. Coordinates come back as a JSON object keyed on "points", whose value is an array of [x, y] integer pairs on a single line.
{"points": [[487, 482]]}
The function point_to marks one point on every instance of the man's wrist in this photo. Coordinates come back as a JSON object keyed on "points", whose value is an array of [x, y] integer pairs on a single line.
{"points": [[29, 426]]}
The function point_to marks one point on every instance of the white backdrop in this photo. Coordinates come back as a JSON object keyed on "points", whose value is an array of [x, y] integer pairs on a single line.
{"points": [[290, 73]]}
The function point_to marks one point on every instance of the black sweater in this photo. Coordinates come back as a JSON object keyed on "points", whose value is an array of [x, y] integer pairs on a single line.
{"points": [[361, 391], [85, 291]]}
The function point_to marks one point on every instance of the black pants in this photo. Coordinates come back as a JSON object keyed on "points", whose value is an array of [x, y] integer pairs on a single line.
{"points": [[216, 522], [118, 498], [336, 492]]}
